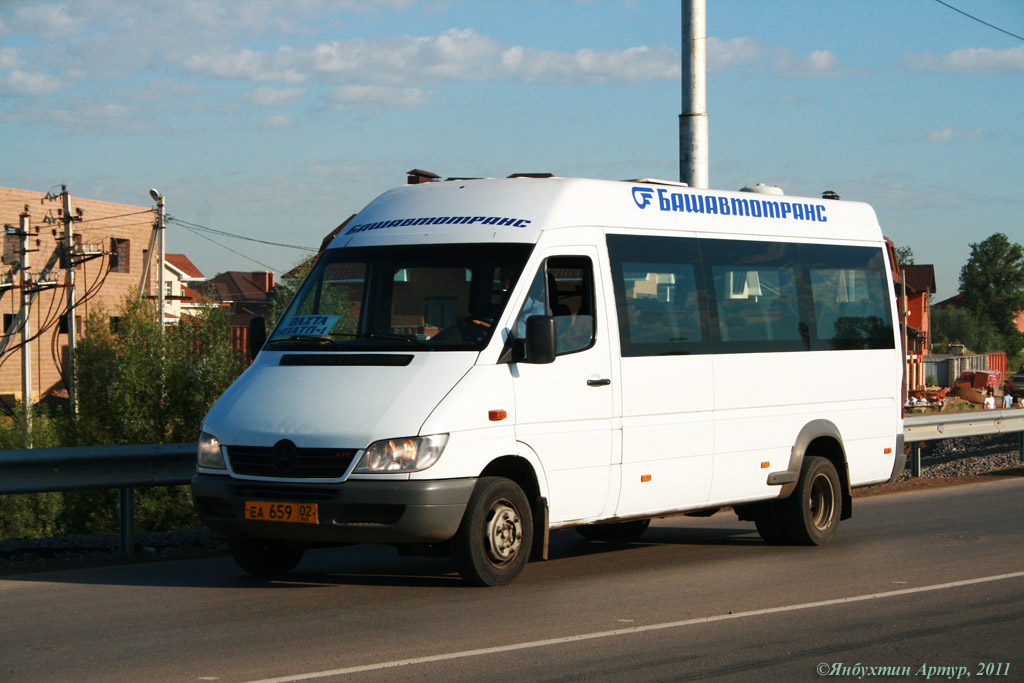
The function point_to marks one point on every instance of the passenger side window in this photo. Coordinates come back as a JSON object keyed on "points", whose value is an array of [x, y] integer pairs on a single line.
{"points": [[564, 289], [658, 295]]}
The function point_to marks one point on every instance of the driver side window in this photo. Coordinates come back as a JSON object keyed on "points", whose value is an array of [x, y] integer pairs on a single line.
{"points": [[563, 288]]}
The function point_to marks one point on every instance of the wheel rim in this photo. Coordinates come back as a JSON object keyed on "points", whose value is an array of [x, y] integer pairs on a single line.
{"points": [[504, 532], [822, 502]]}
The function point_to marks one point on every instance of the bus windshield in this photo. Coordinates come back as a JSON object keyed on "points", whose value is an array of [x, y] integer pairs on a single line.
{"points": [[440, 297]]}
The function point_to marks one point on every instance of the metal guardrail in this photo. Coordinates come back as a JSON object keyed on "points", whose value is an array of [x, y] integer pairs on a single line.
{"points": [[918, 428], [44, 470], [954, 425]]}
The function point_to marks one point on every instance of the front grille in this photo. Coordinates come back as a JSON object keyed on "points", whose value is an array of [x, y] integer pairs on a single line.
{"points": [[298, 494], [287, 461]]}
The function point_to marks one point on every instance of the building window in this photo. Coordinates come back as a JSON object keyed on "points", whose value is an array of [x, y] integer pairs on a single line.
{"points": [[119, 255], [63, 325]]}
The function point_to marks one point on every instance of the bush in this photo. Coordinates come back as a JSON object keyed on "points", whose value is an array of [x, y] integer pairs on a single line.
{"points": [[136, 385]]}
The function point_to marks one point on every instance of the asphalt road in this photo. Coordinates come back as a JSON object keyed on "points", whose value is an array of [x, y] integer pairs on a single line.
{"points": [[915, 581]]}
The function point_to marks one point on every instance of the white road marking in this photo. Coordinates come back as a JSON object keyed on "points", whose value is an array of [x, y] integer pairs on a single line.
{"points": [[379, 666]]}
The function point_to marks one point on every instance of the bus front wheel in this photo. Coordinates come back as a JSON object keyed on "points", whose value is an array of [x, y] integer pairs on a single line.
{"points": [[494, 540]]}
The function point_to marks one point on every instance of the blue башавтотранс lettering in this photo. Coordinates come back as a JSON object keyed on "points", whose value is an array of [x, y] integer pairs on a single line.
{"points": [[690, 202]]}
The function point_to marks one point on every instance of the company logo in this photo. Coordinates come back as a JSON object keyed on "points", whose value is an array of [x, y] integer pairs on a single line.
{"points": [[285, 457], [690, 201], [643, 196]]}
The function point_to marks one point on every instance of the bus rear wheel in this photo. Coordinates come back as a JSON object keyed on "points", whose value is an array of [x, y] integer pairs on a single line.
{"points": [[810, 516], [494, 540]]}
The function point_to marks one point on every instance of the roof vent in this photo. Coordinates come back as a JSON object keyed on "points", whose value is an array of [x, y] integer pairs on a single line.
{"points": [[829, 194], [657, 181], [761, 188]]}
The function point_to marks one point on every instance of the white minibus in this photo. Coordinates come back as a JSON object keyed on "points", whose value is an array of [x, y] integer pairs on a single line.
{"points": [[473, 363]]}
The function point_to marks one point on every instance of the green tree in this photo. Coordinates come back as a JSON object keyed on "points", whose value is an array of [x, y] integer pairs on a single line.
{"points": [[137, 384], [963, 326], [30, 514], [905, 255], [992, 284]]}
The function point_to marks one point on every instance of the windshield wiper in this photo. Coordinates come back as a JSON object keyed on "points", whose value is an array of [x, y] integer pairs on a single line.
{"points": [[303, 338], [393, 337]]}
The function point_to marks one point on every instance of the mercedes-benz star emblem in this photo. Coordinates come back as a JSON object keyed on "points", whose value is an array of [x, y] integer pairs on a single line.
{"points": [[284, 457]]}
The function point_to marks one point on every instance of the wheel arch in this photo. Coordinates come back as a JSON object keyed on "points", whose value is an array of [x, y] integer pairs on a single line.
{"points": [[524, 474], [821, 438]]}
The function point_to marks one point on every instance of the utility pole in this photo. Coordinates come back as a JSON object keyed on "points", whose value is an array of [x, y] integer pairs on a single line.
{"points": [[161, 224], [26, 325], [69, 282], [693, 122], [25, 282]]}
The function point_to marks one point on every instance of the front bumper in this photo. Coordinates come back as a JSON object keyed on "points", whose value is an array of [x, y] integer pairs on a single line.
{"points": [[356, 511]]}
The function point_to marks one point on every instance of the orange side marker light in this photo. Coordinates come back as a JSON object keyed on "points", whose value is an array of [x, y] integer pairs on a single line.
{"points": [[645, 477], [765, 464], [496, 415]]}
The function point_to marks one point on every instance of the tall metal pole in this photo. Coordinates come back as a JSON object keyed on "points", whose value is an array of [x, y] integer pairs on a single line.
{"points": [[69, 282], [26, 327], [693, 122]]}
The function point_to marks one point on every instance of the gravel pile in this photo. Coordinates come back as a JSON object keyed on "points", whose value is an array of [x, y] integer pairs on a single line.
{"points": [[939, 460]]}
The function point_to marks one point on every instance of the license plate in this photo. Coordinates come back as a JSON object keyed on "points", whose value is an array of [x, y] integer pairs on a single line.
{"points": [[300, 513]]}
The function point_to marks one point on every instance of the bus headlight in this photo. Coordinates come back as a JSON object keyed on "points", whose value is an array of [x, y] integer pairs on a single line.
{"points": [[208, 453], [402, 455]]}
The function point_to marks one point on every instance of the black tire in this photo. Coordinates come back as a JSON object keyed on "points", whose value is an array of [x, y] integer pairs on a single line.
{"points": [[494, 540], [265, 558], [811, 514], [617, 532], [768, 520]]}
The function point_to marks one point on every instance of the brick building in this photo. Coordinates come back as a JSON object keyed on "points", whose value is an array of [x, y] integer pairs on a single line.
{"points": [[110, 249]]}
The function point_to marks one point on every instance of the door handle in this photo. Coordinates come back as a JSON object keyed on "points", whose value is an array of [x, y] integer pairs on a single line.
{"points": [[598, 382]]}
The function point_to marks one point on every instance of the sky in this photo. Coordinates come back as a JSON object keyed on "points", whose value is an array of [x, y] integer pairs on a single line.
{"points": [[276, 121]]}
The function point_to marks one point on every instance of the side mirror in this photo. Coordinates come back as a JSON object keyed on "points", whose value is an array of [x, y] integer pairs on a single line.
{"points": [[540, 339], [256, 336]]}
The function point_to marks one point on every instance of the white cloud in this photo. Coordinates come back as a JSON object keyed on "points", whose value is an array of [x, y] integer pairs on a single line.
{"points": [[760, 58], [265, 96], [722, 54], [276, 122], [27, 84], [453, 55], [376, 96], [972, 60], [49, 22], [949, 134], [9, 58], [248, 64]]}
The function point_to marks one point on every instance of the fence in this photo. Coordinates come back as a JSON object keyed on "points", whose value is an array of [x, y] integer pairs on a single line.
{"points": [[125, 467]]}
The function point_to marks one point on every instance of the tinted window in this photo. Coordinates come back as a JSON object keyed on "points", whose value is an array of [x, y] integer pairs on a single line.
{"points": [[657, 293], [677, 295], [756, 294]]}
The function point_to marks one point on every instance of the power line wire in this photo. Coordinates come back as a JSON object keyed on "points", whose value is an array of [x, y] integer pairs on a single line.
{"points": [[212, 231], [971, 16], [222, 246]]}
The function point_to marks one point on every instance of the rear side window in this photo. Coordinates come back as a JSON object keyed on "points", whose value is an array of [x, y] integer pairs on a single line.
{"points": [[684, 295]]}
